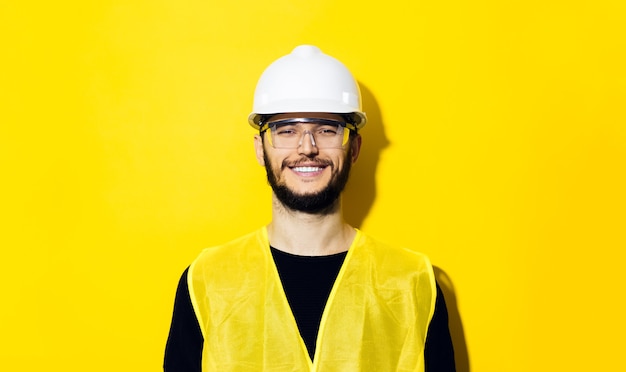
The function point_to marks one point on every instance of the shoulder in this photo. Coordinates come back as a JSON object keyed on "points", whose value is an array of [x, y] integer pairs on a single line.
{"points": [[393, 269], [392, 266], [246, 254], [397, 256], [234, 249]]}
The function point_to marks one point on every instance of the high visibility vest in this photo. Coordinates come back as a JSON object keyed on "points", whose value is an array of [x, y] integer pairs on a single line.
{"points": [[376, 317]]}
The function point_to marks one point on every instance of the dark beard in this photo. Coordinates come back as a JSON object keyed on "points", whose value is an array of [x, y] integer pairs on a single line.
{"points": [[321, 202]]}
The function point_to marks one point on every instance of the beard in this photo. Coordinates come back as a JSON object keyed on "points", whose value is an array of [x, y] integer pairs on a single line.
{"points": [[320, 202]]}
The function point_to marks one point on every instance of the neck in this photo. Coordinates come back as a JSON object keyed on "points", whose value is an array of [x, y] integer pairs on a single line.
{"points": [[308, 234]]}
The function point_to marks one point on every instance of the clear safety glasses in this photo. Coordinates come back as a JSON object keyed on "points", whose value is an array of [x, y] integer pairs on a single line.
{"points": [[323, 133]]}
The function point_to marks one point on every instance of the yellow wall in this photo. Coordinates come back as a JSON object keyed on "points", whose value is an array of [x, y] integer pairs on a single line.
{"points": [[497, 145]]}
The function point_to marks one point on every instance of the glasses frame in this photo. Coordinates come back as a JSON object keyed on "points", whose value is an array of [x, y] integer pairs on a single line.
{"points": [[273, 124]]}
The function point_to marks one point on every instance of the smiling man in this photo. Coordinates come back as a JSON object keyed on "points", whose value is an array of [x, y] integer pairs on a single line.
{"points": [[308, 292], [317, 179]]}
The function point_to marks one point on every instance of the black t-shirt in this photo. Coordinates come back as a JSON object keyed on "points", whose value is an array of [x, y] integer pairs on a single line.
{"points": [[307, 282]]}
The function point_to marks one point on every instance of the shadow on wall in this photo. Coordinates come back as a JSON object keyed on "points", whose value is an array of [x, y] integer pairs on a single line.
{"points": [[360, 195], [360, 191]]}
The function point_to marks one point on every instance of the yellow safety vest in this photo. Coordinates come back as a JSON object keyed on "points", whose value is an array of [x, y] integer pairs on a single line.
{"points": [[376, 317]]}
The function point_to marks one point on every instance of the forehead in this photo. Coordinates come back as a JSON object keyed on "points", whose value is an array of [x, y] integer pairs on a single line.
{"points": [[308, 115]]}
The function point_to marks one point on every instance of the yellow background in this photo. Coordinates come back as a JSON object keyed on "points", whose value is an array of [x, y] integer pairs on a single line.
{"points": [[496, 145]]}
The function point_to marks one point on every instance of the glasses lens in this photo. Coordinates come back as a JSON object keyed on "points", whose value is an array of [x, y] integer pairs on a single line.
{"points": [[324, 134]]}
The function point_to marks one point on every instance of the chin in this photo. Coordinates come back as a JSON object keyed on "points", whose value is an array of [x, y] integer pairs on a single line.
{"points": [[323, 199], [321, 202]]}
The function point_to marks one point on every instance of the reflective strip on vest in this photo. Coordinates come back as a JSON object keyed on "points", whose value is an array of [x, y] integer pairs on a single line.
{"points": [[376, 317]]}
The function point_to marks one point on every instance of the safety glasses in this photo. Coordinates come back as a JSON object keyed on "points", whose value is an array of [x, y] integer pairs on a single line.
{"points": [[323, 133]]}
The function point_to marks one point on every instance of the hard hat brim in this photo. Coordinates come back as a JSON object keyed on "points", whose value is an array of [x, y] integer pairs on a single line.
{"points": [[358, 118]]}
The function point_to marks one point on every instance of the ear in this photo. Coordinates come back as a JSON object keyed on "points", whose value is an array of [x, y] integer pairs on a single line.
{"points": [[258, 149], [356, 147]]}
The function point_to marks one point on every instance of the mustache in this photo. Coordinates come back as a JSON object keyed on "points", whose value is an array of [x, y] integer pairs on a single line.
{"points": [[307, 161]]}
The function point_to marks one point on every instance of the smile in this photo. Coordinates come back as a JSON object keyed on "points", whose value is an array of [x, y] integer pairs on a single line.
{"points": [[307, 169]]}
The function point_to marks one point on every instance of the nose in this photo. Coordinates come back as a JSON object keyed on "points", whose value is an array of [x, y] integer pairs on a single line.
{"points": [[307, 144]]}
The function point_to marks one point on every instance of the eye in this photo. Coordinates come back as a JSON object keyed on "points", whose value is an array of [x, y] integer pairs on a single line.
{"points": [[328, 130], [286, 130]]}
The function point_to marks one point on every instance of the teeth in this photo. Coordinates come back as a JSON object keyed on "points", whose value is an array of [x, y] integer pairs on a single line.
{"points": [[307, 169]]}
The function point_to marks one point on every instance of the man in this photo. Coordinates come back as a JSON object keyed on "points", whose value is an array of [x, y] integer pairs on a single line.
{"points": [[308, 292]]}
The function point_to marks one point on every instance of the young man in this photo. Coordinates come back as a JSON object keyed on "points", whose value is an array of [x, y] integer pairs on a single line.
{"points": [[308, 292]]}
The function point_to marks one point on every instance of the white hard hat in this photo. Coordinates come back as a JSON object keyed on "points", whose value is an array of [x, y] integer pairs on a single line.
{"points": [[307, 80]]}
